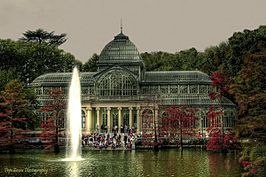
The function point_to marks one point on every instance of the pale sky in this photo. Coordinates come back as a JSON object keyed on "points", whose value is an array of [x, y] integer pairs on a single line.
{"points": [[153, 25]]}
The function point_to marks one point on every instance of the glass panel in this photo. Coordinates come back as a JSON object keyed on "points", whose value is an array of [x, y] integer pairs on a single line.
{"points": [[173, 89], [116, 83], [183, 88], [193, 89], [203, 89], [164, 89]]}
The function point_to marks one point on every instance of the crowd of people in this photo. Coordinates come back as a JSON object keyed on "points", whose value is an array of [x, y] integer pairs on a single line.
{"points": [[112, 140], [123, 129]]}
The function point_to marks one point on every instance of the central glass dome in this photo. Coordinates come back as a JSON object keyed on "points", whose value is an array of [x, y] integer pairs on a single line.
{"points": [[121, 48]]}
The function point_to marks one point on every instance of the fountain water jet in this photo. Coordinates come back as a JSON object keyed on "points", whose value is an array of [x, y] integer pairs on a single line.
{"points": [[73, 152]]}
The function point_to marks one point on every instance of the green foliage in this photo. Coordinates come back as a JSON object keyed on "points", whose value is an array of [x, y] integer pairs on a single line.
{"points": [[249, 91], [91, 64], [242, 43], [35, 54], [42, 36], [28, 60], [157, 61], [214, 58], [6, 76], [163, 61], [188, 59], [227, 56]]}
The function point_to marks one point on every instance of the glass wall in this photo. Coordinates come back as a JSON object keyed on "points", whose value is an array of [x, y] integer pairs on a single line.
{"points": [[116, 83]]}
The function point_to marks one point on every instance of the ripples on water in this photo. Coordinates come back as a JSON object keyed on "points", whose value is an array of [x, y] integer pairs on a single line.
{"points": [[190, 163]]}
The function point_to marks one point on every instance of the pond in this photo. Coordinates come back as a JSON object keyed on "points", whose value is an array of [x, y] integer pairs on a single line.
{"points": [[190, 163]]}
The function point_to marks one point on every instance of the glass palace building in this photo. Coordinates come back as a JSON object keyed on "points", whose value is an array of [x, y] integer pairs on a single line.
{"points": [[122, 91]]}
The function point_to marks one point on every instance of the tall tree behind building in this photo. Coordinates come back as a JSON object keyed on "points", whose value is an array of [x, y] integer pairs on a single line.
{"points": [[42, 36], [37, 53]]}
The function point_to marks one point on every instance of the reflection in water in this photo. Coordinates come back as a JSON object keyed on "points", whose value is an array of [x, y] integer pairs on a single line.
{"points": [[190, 163], [222, 162], [175, 163], [72, 169]]}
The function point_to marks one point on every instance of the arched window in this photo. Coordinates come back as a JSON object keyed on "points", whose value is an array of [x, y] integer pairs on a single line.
{"points": [[116, 83]]}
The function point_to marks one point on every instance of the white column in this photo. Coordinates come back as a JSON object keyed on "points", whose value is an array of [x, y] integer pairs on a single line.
{"points": [[130, 117], [138, 121], [198, 90], [109, 119], [119, 119], [98, 118], [89, 121]]}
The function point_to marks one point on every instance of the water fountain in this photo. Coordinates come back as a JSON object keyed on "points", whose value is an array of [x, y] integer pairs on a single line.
{"points": [[73, 152]]}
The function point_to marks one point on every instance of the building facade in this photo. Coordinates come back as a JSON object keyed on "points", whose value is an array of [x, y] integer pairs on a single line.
{"points": [[122, 91]]}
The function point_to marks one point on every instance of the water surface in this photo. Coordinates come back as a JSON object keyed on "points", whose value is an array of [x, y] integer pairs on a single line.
{"points": [[190, 163]]}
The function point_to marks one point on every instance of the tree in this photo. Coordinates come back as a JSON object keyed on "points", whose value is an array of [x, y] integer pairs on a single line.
{"points": [[6, 76], [163, 61], [43, 58], [180, 119], [215, 141], [218, 140], [68, 62], [249, 91], [159, 61], [42, 36], [54, 110], [243, 43], [215, 130], [188, 59], [21, 100], [214, 58], [28, 60], [16, 112], [10, 60], [91, 64]]}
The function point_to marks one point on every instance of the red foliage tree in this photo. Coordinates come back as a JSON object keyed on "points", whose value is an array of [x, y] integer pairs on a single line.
{"points": [[13, 116], [11, 131], [214, 130], [54, 119], [217, 139], [178, 121]]}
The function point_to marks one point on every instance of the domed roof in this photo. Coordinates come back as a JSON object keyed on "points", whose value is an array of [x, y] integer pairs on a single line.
{"points": [[121, 48]]}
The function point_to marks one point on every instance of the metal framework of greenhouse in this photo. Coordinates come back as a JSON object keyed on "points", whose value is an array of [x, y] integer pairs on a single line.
{"points": [[121, 90]]}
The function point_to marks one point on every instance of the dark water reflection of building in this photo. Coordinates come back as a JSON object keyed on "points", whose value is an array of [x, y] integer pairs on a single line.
{"points": [[176, 163], [229, 163]]}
